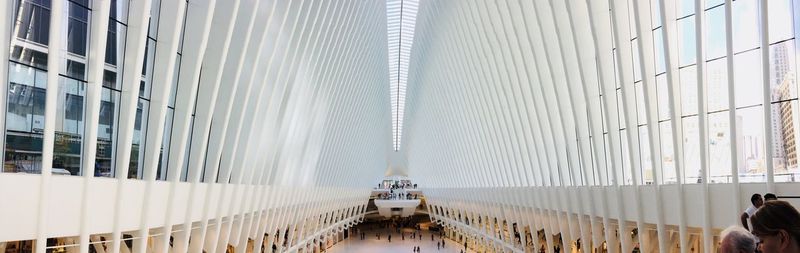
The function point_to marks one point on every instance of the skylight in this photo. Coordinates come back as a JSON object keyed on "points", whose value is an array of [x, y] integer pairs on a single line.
{"points": [[401, 18]]}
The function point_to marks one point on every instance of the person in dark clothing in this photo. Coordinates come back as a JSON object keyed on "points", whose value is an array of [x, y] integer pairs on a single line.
{"points": [[389, 237], [770, 196]]}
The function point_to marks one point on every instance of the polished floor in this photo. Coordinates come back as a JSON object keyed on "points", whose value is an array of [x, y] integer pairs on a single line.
{"points": [[371, 244]]}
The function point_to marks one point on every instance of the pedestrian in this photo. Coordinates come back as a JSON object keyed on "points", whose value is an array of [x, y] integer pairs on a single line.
{"points": [[389, 237], [777, 226], [431, 236], [442, 243], [736, 239], [403, 236], [757, 201], [438, 245]]}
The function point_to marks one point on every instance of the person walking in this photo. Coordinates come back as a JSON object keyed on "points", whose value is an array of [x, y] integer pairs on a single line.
{"points": [[389, 237], [438, 245], [757, 201]]}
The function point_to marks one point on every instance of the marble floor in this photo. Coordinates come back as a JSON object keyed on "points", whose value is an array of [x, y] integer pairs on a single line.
{"points": [[371, 244]]}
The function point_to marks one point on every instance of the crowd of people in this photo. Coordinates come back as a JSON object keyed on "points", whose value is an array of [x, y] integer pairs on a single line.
{"points": [[398, 196], [768, 226], [406, 229], [397, 185]]}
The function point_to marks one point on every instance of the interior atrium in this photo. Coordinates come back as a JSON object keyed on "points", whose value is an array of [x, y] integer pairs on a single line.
{"points": [[551, 126]]}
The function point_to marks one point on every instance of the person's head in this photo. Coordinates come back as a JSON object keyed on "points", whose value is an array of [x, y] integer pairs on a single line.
{"points": [[770, 196], [777, 225], [756, 200], [736, 239]]}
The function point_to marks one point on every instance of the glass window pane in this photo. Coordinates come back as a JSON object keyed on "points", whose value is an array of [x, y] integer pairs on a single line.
{"points": [[782, 71], [137, 148], [745, 25], [119, 10], [29, 56], [691, 150], [76, 70], [688, 78], [750, 143], [115, 43], [719, 148], [640, 104], [717, 83], [686, 41], [164, 155], [715, 32], [658, 42], [620, 111], [624, 171], [24, 119], [609, 174], [663, 97], [667, 154], [644, 149], [685, 7], [655, 10], [69, 127], [109, 108], [77, 29], [711, 3], [787, 126], [747, 78], [33, 21], [637, 71], [780, 20]]}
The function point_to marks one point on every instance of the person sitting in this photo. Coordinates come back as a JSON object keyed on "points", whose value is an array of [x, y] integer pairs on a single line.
{"points": [[777, 226], [736, 239], [757, 201]]}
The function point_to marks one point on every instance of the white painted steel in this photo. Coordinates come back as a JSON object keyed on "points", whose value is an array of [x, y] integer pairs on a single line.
{"points": [[540, 115]]}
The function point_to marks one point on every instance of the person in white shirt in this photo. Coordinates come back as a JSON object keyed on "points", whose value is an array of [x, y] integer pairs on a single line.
{"points": [[757, 202]]}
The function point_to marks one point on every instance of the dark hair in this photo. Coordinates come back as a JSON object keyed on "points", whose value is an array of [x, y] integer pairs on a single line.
{"points": [[754, 198], [770, 196], [774, 216]]}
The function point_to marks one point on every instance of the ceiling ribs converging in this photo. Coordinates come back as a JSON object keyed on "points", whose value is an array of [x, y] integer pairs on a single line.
{"points": [[401, 18]]}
